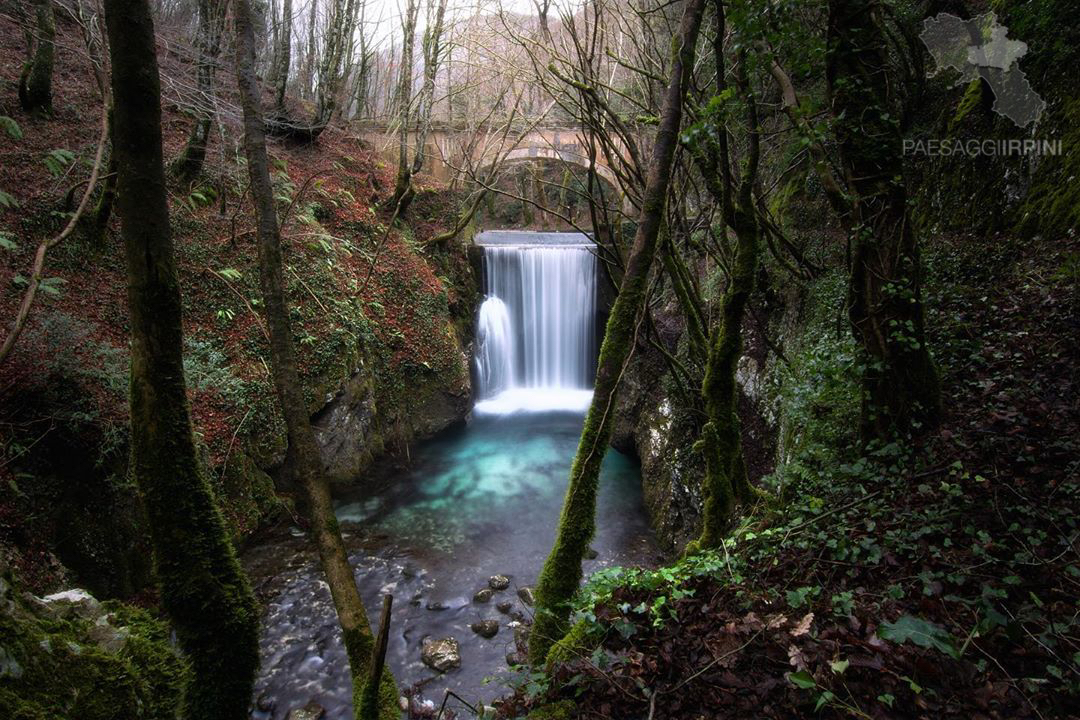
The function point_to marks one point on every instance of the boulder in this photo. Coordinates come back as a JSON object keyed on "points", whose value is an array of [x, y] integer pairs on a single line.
{"points": [[483, 595], [442, 654], [311, 711], [516, 658], [498, 582], [504, 606], [485, 628], [526, 594]]}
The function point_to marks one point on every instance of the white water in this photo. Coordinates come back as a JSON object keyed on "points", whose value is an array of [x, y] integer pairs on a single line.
{"points": [[536, 333], [494, 348]]}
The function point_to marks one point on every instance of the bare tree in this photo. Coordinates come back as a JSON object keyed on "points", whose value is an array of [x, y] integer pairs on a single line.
{"points": [[358, 638]]}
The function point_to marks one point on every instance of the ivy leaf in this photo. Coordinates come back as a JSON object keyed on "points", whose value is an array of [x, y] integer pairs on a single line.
{"points": [[921, 632], [11, 127], [49, 285], [839, 666], [803, 680], [7, 243]]}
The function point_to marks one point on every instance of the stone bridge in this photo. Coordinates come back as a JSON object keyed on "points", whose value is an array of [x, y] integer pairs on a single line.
{"points": [[449, 150]]}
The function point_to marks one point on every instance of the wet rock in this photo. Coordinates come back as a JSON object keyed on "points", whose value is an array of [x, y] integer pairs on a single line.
{"points": [[591, 554], [504, 606], [437, 606], [403, 703], [265, 703], [498, 582], [485, 628], [516, 615], [521, 633], [525, 592], [442, 655], [311, 711], [516, 658], [483, 595]]}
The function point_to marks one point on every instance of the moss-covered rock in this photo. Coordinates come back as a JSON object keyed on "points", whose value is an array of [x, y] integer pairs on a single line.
{"points": [[67, 656]]}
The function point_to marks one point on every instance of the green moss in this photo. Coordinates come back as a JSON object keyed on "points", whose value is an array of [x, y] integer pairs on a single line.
{"points": [[971, 100], [1052, 204], [573, 645], [57, 666], [562, 710]]}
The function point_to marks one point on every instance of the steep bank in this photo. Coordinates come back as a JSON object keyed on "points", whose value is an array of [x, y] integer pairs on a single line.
{"points": [[382, 329]]}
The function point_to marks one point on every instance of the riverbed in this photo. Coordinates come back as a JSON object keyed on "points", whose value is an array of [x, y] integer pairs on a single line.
{"points": [[473, 503]]}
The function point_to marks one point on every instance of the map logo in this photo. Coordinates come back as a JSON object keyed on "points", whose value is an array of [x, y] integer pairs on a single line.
{"points": [[981, 48]]}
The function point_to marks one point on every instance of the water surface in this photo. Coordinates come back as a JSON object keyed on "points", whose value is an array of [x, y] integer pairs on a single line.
{"points": [[480, 501]]}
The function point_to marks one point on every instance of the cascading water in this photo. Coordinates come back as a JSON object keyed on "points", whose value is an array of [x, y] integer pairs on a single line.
{"points": [[536, 334], [476, 501], [495, 348]]}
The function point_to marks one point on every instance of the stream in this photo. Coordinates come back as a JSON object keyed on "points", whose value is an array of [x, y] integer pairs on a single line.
{"points": [[475, 502]]}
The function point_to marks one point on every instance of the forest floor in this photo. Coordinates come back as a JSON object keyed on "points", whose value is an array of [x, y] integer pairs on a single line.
{"points": [[935, 580]]}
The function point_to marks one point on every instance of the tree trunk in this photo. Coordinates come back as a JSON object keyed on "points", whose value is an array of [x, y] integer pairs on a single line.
{"points": [[98, 222], [302, 445], [725, 481], [211, 24], [900, 386], [203, 589], [35, 81], [339, 31], [283, 57], [404, 176], [561, 575]]}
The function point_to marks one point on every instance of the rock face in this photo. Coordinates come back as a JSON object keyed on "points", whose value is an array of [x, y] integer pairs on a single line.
{"points": [[351, 430], [498, 582], [442, 655], [344, 428], [485, 628]]}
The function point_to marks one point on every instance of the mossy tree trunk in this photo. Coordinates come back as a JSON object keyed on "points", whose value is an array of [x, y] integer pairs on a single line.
{"points": [[900, 386], [35, 81], [561, 575], [211, 25], [725, 481], [203, 589], [356, 631]]}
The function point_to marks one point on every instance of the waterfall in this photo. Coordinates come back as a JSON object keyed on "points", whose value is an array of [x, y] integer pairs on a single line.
{"points": [[494, 349], [536, 331]]}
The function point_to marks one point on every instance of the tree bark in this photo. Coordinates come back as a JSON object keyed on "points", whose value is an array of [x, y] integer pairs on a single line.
{"points": [[900, 384], [35, 81], [203, 589], [561, 575], [211, 25], [404, 175], [353, 618], [283, 57], [725, 481]]}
